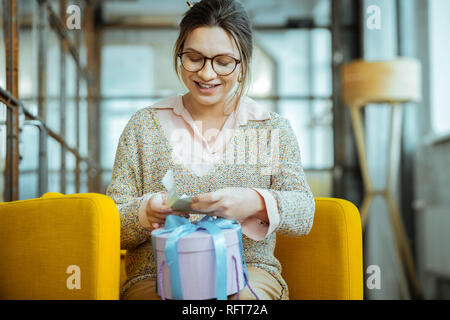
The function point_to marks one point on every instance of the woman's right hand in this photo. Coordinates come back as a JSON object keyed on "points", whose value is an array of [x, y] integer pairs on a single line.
{"points": [[157, 210]]}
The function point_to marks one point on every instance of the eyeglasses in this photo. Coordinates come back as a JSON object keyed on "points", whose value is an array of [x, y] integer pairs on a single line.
{"points": [[222, 65]]}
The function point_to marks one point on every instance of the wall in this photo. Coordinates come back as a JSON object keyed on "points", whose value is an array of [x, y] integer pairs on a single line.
{"points": [[431, 176], [413, 29]]}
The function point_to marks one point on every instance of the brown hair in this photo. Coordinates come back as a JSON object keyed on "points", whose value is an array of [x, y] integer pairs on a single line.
{"points": [[231, 16]]}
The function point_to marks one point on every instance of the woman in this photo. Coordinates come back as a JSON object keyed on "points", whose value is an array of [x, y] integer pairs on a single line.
{"points": [[205, 138]]}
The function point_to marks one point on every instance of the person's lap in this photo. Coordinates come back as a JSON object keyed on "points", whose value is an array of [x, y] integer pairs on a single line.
{"points": [[263, 284]]}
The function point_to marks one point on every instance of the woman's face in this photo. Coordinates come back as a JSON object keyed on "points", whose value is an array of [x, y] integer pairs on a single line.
{"points": [[210, 41]]}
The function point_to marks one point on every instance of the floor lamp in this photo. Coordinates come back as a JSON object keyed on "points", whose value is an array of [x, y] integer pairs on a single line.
{"points": [[384, 82]]}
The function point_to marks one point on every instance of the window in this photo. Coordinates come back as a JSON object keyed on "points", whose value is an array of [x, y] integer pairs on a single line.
{"points": [[304, 89], [439, 65], [129, 80]]}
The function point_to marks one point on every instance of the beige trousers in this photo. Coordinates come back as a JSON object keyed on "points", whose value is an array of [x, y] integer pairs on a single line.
{"points": [[262, 283]]}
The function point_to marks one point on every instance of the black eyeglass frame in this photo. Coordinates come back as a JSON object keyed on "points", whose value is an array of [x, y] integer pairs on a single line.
{"points": [[212, 63]]}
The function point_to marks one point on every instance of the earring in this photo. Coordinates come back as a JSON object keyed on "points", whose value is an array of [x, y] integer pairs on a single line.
{"points": [[239, 79]]}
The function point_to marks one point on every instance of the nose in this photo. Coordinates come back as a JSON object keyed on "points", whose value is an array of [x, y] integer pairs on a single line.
{"points": [[207, 73]]}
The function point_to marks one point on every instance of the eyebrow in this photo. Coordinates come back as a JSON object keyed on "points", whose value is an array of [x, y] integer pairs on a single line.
{"points": [[219, 54]]}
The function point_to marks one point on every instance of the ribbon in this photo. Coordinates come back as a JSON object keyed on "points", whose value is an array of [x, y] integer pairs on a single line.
{"points": [[180, 227]]}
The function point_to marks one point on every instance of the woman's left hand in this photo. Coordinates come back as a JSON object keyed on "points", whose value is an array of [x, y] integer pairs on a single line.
{"points": [[230, 203]]}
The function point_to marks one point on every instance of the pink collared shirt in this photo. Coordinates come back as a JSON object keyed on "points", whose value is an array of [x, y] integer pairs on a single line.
{"points": [[191, 148]]}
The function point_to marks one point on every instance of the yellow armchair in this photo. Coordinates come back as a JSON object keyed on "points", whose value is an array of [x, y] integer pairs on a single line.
{"points": [[60, 247], [51, 245]]}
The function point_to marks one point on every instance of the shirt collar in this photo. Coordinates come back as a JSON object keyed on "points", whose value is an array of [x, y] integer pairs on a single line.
{"points": [[247, 109]]}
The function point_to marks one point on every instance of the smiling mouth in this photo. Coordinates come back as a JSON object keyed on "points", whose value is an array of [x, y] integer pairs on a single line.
{"points": [[203, 86]]}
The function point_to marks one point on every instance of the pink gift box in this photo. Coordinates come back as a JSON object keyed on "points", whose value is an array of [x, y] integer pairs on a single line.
{"points": [[197, 264]]}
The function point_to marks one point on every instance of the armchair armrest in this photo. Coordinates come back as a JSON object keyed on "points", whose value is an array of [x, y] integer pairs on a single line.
{"points": [[328, 262], [52, 244]]}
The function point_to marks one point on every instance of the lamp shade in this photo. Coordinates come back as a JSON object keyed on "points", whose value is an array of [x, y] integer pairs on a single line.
{"points": [[365, 82]]}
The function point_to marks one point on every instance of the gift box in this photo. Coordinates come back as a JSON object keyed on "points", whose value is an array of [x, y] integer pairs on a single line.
{"points": [[197, 261]]}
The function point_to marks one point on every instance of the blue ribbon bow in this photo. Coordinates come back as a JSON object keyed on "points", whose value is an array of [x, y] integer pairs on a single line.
{"points": [[180, 227]]}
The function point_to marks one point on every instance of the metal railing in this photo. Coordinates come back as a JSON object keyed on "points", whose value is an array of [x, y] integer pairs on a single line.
{"points": [[19, 116]]}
